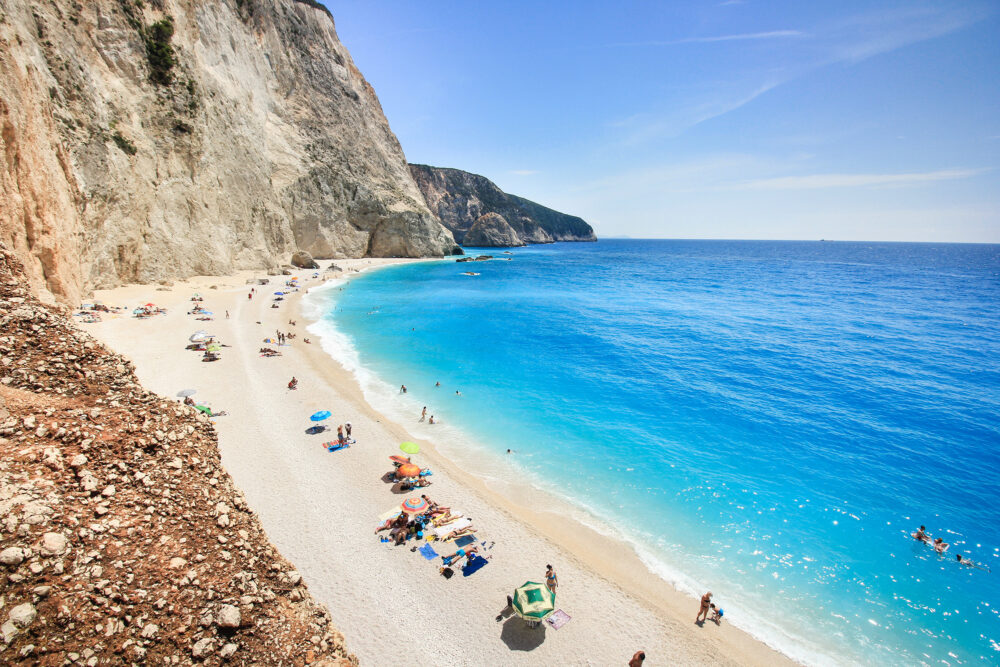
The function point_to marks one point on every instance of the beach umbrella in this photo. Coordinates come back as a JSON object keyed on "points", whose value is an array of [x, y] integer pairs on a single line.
{"points": [[198, 337], [184, 393], [408, 470], [150, 305], [320, 416], [204, 408], [410, 447], [214, 347], [280, 293], [399, 459], [414, 505], [534, 601]]}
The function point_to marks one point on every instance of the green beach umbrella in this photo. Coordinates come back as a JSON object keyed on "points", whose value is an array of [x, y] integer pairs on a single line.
{"points": [[534, 601], [410, 447], [204, 408], [213, 348]]}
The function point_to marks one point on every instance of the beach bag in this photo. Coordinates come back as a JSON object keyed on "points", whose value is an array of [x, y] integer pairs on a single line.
{"points": [[447, 572]]}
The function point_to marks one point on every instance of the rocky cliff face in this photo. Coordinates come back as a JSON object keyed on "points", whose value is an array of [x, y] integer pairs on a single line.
{"points": [[460, 198], [149, 140], [492, 230]]}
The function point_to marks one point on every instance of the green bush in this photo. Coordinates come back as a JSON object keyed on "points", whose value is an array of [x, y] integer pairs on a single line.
{"points": [[127, 146], [159, 53]]}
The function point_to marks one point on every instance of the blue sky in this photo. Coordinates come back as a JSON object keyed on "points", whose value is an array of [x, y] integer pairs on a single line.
{"points": [[726, 119]]}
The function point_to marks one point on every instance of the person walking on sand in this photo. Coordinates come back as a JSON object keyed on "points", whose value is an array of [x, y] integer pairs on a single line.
{"points": [[423, 413], [551, 580], [227, 314], [706, 604], [637, 659], [347, 429]]}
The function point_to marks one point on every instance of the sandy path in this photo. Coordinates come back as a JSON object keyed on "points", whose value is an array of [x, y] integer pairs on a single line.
{"points": [[320, 508]]}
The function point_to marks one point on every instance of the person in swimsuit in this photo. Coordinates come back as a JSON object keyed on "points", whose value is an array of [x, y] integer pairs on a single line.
{"points": [[922, 535], [637, 659], [940, 545], [423, 413], [706, 604], [551, 580]]}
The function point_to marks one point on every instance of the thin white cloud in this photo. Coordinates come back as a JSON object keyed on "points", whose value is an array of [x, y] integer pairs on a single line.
{"points": [[822, 181], [746, 36], [523, 172]]}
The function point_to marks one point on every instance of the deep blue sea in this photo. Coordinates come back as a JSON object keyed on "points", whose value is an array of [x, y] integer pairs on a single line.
{"points": [[768, 420]]}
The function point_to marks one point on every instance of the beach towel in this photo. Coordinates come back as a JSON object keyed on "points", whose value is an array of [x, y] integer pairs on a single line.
{"points": [[464, 540], [558, 618], [427, 551], [389, 514], [474, 564], [442, 531]]}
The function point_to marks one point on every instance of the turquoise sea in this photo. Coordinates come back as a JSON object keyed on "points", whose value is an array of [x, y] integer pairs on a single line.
{"points": [[768, 420]]}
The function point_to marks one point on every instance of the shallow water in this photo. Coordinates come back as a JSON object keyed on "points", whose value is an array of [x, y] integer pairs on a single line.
{"points": [[769, 420]]}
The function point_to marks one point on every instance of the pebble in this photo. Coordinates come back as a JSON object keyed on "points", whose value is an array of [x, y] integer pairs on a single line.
{"points": [[23, 615], [228, 617], [54, 544]]}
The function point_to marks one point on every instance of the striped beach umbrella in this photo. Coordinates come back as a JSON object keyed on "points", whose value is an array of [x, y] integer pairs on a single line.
{"points": [[533, 601], [414, 505], [395, 459], [410, 447], [408, 470]]}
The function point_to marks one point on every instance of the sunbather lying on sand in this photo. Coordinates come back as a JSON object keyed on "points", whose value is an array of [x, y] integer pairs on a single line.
{"points": [[399, 522], [461, 553], [446, 518], [458, 533], [435, 508]]}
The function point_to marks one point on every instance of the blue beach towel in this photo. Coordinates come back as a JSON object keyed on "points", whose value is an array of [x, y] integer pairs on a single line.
{"points": [[427, 551], [464, 540], [475, 564]]}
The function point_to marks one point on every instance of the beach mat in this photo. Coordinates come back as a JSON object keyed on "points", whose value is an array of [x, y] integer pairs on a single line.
{"points": [[427, 551], [558, 618], [464, 540], [474, 564]]}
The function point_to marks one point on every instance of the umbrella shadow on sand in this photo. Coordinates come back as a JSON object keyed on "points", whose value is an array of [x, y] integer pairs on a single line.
{"points": [[313, 430], [519, 636]]}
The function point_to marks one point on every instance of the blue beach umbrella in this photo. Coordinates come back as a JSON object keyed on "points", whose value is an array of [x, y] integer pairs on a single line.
{"points": [[320, 416], [280, 293]]}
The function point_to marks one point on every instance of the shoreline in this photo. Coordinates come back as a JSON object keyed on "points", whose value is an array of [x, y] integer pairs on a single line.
{"points": [[659, 618]]}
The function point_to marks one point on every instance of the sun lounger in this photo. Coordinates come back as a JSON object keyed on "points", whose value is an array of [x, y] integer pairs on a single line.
{"points": [[443, 531]]}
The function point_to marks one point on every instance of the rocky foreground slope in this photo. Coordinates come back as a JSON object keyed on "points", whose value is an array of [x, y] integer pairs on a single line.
{"points": [[151, 139], [122, 539], [478, 213]]}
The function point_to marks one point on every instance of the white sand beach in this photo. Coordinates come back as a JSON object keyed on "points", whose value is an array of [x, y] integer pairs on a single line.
{"points": [[320, 508]]}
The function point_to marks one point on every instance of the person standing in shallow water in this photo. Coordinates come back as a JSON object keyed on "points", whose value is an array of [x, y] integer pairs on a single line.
{"points": [[402, 389], [423, 413]]}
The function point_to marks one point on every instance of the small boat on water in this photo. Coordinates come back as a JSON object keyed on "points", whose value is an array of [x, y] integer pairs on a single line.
{"points": [[469, 273]]}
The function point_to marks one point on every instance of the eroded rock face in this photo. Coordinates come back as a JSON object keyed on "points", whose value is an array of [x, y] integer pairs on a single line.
{"points": [[263, 139], [492, 230], [460, 199], [304, 260]]}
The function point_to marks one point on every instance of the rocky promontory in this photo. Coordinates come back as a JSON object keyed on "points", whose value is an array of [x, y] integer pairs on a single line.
{"points": [[147, 140], [460, 199], [492, 230], [122, 538]]}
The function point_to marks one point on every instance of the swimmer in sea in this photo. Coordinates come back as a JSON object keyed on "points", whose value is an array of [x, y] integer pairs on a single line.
{"points": [[922, 535], [968, 562], [940, 545]]}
